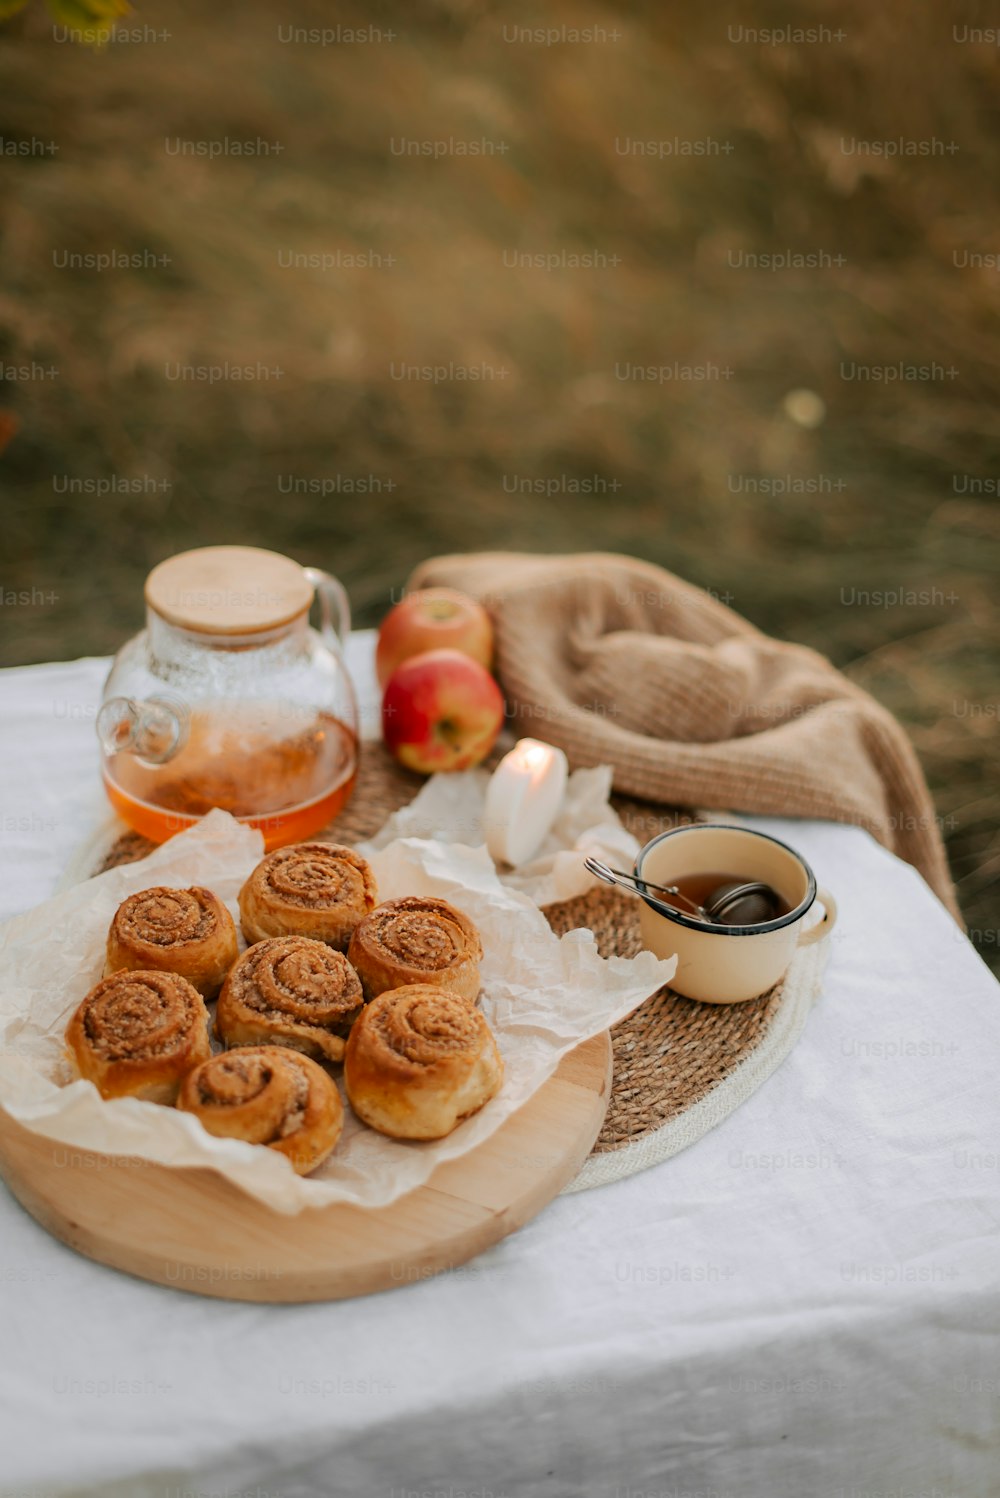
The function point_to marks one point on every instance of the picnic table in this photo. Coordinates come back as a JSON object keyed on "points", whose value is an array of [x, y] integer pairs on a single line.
{"points": [[805, 1302]]}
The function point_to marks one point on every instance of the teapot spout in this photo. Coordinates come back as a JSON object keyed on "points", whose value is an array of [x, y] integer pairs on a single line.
{"points": [[153, 730]]}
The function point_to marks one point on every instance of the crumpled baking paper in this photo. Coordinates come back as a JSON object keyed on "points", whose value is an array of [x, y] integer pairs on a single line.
{"points": [[542, 995], [449, 808]]}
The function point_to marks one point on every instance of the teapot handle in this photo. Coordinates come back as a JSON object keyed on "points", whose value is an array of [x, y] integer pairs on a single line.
{"points": [[334, 606]]}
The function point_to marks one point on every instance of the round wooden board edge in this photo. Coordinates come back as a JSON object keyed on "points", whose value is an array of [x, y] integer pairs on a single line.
{"points": [[254, 1254]]}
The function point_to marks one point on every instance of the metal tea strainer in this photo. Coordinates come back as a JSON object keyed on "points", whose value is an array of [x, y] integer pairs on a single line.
{"points": [[737, 903]]}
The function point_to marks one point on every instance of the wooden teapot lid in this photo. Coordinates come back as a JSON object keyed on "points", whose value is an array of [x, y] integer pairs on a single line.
{"points": [[228, 590]]}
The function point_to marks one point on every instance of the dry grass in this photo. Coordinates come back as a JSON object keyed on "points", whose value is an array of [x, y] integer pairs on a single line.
{"points": [[895, 510]]}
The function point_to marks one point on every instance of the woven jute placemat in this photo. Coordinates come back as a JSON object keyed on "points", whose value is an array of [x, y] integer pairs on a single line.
{"points": [[680, 1067]]}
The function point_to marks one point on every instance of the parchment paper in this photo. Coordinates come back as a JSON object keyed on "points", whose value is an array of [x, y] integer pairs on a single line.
{"points": [[542, 996], [449, 808]]}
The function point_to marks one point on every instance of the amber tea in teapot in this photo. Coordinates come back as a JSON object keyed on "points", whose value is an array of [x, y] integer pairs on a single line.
{"points": [[229, 699], [289, 785]]}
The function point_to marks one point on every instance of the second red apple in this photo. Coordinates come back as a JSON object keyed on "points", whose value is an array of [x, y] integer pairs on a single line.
{"points": [[433, 619]]}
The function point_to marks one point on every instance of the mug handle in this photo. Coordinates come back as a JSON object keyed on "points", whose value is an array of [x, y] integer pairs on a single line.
{"points": [[826, 925], [334, 606]]}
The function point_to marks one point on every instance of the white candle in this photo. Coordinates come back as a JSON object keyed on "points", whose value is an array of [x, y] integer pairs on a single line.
{"points": [[523, 800]]}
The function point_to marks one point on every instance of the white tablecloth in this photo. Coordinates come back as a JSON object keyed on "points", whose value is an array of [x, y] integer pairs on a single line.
{"points": [[806, 1304]]}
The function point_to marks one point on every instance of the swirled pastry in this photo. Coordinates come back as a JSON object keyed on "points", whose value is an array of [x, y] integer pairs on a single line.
{"points": [[267, 1095], [290, 991], [419, 939], [138, 1033], [419, 1060], [185, 931], [318, 890]]}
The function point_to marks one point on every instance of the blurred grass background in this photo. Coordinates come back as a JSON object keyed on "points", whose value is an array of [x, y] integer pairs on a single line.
{"points": [[905, 475]]}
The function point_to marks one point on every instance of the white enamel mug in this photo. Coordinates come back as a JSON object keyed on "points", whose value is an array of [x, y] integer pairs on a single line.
{"points": [[728, 964]]}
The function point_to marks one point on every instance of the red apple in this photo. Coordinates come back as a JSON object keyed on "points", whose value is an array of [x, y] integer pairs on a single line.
{"points": [[441, 711], [433, 619]]}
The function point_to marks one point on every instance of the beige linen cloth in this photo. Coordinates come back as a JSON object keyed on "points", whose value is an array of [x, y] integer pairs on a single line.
{"points": [[620, 662]]}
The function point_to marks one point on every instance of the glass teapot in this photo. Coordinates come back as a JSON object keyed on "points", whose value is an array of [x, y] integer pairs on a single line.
{"points": [[228, 698]]}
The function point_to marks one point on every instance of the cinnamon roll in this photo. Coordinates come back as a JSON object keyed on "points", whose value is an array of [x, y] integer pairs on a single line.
{"points": [[419, 939], [290, 991], [320, 890], [185, 931], [271, 1096], [137, 1034], [419, 1060]]}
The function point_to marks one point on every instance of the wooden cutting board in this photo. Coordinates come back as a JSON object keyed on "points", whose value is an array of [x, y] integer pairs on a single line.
{"points": [[192, 1230]]}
